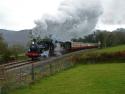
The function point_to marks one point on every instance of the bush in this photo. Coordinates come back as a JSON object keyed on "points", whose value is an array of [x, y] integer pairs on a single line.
{"points": [[74, 59], [97, 57], [4, 90], [6, 57]]}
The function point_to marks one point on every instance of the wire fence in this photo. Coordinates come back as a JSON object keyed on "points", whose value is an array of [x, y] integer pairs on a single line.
{"points": [[25, 75], [22, 76]]}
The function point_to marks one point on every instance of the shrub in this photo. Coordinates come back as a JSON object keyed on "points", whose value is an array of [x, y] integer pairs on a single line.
{"points": [[97, 57], [6, 57], [74, 59]]}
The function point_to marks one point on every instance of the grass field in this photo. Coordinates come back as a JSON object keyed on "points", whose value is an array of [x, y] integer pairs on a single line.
{"points": [[83, 79], [113, 49]]}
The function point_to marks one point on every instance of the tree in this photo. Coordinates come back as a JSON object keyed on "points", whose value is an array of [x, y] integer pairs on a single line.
{"points": [[16, 50], [3, 45], [5, 54], [107, 39]]}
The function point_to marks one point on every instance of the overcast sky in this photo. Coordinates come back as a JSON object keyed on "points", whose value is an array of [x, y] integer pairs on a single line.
{"points": [[113, 15], [20, 14]]}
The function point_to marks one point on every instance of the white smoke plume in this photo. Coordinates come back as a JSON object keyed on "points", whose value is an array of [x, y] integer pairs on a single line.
{"points": [[75, 18]]}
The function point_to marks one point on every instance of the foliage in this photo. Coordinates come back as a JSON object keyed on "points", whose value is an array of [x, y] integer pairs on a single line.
{"points": [[9, 53], [6, 56], [107, 38], [97, 57], [3, 45], [74, 59], [16, 50]]}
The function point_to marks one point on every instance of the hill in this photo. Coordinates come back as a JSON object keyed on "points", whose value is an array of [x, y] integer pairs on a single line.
{"points": [[15, 37]]}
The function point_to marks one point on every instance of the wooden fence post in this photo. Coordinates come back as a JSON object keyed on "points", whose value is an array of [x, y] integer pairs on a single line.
{"points": [[3, 79], [2, 73], [51, 71], [32, 72]]}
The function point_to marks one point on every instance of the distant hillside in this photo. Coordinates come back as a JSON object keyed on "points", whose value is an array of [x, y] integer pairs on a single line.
{"points": [[16, 37]]}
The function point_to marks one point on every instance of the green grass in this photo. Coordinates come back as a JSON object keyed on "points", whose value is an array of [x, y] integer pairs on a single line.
{"points": [[113, 49], [83, 79], [109, 50]]}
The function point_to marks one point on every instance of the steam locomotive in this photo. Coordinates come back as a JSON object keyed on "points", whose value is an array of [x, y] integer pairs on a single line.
{"points": [[48, 48], [43, 48]]}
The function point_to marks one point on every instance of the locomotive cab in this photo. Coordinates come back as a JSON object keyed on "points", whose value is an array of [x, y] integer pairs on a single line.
{"points": [[46, 47]]}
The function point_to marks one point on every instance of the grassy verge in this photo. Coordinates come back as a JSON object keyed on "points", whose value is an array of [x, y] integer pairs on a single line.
{"points": [[112, 49]]}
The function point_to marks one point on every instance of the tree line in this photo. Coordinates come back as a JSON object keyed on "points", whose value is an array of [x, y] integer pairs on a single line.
{"points": [[106, 38]]}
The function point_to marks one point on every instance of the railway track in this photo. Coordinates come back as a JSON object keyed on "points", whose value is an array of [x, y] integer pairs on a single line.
{"points": [[15, 64], [18, 64]]}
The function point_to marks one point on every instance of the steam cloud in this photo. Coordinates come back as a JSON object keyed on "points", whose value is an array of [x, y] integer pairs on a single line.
{"points": [[75, 18]]}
